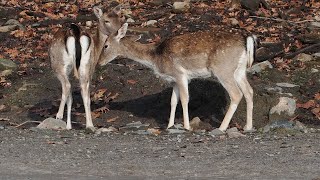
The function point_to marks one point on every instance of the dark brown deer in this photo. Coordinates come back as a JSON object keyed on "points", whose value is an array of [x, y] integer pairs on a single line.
{"points": [[74, 49], [224, 54]]}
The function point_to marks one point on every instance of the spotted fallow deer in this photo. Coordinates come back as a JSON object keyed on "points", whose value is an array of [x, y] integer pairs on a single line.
{"points": [[72, 48], [222, 53]]}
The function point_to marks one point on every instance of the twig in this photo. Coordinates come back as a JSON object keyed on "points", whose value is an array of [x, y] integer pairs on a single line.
{"points": [[26, 123], [302, 50], [4, 119], [282, 20]]}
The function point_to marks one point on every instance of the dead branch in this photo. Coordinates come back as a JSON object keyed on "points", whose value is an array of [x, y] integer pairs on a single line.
{"points": [[19, 125], [303, 50], [282, 20]]}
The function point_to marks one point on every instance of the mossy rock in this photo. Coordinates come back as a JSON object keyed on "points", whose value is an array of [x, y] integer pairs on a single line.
{"points": [[7, 64]]}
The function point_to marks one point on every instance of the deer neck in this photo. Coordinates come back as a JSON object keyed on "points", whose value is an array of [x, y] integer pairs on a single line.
{"points": [[142, 53], [99, 42]]}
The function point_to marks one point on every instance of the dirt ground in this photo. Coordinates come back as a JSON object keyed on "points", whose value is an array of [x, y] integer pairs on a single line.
{"points": [[131, 93], [38, 154]]}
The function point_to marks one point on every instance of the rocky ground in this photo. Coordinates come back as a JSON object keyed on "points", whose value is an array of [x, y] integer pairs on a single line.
{"points": [[131, 105]]}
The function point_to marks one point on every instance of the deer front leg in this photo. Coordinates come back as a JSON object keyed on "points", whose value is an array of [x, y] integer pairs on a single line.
{"points": [[174, 102], [184, 97]]}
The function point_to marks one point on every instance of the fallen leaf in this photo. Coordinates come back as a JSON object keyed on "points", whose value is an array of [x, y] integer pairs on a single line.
{"points": [[317, 96], [102, 109], [131, 81], [153, 131], [307, 105], [112, 119]]}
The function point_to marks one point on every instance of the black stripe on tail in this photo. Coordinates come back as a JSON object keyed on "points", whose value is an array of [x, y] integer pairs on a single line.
{"points": [[76, 32]]}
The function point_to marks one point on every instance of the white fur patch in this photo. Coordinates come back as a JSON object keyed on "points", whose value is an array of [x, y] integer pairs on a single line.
{"points": [[250, 49], [85, 54], [69, 55]]}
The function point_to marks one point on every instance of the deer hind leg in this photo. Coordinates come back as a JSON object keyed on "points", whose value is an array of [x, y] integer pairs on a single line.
{"points": [[235, 95], [66, 97], [85, 77], [248, 94], [86, 102], [184, 98], [174, 101]]}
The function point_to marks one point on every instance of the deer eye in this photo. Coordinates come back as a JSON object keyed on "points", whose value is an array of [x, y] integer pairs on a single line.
{"points": [[106, 46]]}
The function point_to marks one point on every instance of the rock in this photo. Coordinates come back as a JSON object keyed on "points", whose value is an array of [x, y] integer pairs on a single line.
{"points": [[6, 72], [195, 123], [52, 123], [181, 6], [151, 22], [234, 133], [7, 64], [250, 4], [1, 127], [315, 24], [130, 20], [7, 28], [89, 23], [300, 126], [216, 132], [287, 85], [285, 124], [259, 67], [316, 56], [109, 129], [303, 57], [175, 131], [314, 70], [234, 21], [283, 110], [16, 23], [135, 126]]}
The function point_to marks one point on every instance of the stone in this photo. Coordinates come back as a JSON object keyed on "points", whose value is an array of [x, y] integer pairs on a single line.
{"points": [[283, 110], [314, 70], [287, 85], [130, 20], [234, 21], [181, 6], [195, 123], [89, 23], [315, 24], [151, 22], [109, 129], [135, 126], [7, 28], [176, 131], [216, 132], [285, 124], [300, 126], [52, 123], [303, 57], [234, 133], [16, 23], [259, 67], [6, 72], [7, 64]]}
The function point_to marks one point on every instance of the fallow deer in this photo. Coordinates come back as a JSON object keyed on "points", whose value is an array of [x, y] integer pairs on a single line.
{"points": [[222, 53], [72, 48]]}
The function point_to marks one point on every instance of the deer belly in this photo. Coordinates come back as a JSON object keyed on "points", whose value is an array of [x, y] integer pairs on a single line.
{"points": [[198, 73]]}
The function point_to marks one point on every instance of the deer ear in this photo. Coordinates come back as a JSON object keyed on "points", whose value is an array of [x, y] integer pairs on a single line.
{"points": [[98, 12], [122, 31]]}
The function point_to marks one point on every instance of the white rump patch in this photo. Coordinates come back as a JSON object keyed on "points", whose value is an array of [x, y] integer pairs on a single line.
{"points": [[69, 55], [85, 54]]}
